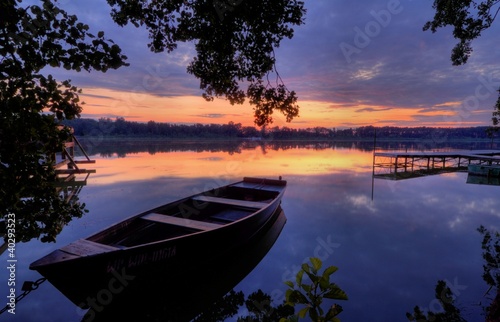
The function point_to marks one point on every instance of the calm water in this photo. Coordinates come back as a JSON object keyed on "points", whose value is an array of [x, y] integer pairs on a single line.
{"points": [[391, 250]]}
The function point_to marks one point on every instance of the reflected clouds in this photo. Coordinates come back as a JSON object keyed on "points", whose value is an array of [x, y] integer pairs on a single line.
{"points": [[403, 250], [363, 201]]}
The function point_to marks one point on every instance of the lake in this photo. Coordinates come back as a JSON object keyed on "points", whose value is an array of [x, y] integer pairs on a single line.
{"points": [[392, 241]]}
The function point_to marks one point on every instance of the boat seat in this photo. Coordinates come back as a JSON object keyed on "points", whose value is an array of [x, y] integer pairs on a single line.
{"points": [[84, 247], [178, 221], [232, 202]]}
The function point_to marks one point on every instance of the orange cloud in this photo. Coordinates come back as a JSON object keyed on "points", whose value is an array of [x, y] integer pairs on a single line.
{"points": [[143, 107]]}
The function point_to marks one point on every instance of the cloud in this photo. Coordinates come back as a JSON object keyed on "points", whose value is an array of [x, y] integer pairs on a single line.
{"points": [[371, 109], [393, 63], [212, 116]]}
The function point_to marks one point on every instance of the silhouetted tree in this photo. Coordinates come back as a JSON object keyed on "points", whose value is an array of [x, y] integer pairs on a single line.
{"points": [[234, 41], [32, 104], [260, 308], [468, 19], [491, 275]]}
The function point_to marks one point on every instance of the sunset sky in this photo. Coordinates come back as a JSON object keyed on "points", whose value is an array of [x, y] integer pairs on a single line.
{"points": [[353, 63]]}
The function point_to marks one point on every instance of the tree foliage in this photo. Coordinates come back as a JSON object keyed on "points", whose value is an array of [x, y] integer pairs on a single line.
{"points": [[450, 312], [446, 297], [32, 39], [491, 269], [468, 19], [260, 309], [120, 127], [234, 42]]}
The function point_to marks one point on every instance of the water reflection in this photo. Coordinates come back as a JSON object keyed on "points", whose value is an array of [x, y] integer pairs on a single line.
{"points": [[123, 147], [197, 288], [474, 179], [40, 209], [223, 166], [390, 251]]}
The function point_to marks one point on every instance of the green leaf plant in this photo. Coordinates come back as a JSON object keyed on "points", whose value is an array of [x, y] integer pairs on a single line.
{"points": [[311, 295]]}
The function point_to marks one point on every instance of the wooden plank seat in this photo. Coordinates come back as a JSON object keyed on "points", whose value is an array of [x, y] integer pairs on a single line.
{"points": [[177, 221], [84, 247], [231, 215], [232, 202]]}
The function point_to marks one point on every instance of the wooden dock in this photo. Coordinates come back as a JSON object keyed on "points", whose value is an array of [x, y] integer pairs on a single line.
{"points": [[405, 165], [68, 168]]}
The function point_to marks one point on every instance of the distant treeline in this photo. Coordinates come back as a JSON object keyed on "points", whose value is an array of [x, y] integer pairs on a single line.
{"points": [[122, 128]]}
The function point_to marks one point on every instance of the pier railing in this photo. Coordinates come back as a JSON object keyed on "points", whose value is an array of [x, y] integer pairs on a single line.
{"points": [[405, 165]]}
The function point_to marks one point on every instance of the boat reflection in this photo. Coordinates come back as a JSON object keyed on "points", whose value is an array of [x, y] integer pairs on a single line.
{"points": [[182, 293]]}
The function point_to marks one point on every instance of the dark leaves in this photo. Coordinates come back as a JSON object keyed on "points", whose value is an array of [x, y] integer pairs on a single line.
{"points": [[491, 256], [32, 104], [468, 19], [234, 42], [268, 99]]}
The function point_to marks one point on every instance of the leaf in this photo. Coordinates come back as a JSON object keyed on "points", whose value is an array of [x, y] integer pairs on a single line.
{"points": [[324, 283], [316, 262], [314, 278], [329, 271], [335, 293], [298, 278], [289, 284], [302, 313], [313, 315], [333, 312], [289, 299], [297, 297], [306, 288]]}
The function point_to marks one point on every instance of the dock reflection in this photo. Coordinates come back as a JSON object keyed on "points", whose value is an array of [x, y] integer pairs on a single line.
{"points": [[408, 165]]}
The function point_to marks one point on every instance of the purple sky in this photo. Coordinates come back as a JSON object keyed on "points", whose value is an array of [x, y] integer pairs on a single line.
{"points": [[353, 63]]}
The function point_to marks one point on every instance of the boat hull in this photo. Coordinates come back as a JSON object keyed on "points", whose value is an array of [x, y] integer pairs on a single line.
{"points": [[107, 267], [181, 291]]}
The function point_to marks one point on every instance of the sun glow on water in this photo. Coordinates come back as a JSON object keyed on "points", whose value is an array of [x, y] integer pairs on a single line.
{"points": [[248, 162]]}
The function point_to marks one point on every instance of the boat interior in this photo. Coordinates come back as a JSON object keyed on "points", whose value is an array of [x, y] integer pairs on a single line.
{"points": [[203, 212]]}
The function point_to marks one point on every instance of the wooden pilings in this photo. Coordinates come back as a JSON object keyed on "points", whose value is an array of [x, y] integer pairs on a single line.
{"points": [[67, 165], [405, 165]]}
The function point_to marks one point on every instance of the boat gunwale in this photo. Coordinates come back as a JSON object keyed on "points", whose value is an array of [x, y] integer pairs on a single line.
{"points": [[224, 226]]}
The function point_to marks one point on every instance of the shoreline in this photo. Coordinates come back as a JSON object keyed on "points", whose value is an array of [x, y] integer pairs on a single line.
{"points": [[167, 139]]}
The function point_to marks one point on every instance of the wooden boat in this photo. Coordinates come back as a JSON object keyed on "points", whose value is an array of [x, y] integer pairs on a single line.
{"points": [[195, 227]]}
